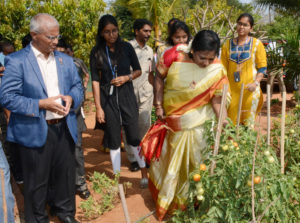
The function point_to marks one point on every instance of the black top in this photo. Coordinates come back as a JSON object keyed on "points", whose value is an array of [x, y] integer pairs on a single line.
{"points": [[100, 63], [120, 107]]}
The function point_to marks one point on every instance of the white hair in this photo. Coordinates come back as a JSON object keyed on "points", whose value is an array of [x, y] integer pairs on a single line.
{"points": [[41, 21]]}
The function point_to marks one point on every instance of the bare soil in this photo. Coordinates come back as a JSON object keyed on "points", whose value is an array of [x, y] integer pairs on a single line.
{"points": [[139, 201]]}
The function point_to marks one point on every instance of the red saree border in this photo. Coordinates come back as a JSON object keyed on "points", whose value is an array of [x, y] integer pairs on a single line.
{"points": [[160, 211]]}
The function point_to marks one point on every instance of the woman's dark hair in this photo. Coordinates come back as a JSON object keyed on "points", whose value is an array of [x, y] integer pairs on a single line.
{"points": [[173, 29], [247, 15], [100, 41], [171, 21], [206, 40], [62, 43], [26, 40]]}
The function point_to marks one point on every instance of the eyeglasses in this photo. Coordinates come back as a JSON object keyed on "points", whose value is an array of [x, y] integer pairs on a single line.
{"points": [[52, 38], [243, 24], [110, 32]]}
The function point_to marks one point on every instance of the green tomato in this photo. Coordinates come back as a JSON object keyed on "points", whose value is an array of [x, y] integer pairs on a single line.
{"points": [[249, 183], [267, 153], [298, 143], [200, 191], [271, 159], [200, 198], [198, 186], [225, 148], [292, 131]]}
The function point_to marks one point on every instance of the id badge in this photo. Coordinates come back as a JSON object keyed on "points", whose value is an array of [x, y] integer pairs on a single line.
{"points": [[237, 76], [111, 91]]}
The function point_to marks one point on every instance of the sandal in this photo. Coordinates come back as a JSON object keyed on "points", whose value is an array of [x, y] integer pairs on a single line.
{"points": [[84, 194]]}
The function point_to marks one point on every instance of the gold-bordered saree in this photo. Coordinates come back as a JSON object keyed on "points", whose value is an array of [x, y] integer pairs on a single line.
{"points": [[188, 91]]}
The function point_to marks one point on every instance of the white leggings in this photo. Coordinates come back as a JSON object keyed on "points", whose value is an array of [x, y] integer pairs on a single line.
{"points": [[115, 156]]}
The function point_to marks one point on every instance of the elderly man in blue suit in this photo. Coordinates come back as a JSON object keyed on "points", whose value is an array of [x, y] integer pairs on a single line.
{"points": [[41, 88]]}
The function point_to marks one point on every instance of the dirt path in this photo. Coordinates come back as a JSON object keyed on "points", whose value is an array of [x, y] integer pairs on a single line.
{"points": [[139, 201]]}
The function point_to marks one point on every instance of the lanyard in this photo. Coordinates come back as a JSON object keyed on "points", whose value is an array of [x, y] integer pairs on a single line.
{"points": [[113, 71], [237, 45]]}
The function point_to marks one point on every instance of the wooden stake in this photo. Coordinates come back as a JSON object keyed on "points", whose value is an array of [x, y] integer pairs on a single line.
{"points": [[145, 217], [252, 181], [124, 205], [220, 125], [282, 131], [239, 109], [268, 114]]}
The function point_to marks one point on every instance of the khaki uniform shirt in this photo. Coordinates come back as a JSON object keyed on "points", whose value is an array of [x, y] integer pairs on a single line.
{"points": [[142, 88]]}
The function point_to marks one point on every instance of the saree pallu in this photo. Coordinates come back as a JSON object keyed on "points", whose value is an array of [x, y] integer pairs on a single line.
{"points": [[188, 91]]}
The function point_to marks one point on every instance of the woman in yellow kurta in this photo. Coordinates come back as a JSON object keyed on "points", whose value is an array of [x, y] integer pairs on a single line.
{"points": [[187, 93], [245, 60]]}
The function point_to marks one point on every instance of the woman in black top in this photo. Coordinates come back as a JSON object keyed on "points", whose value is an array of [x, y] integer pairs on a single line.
{"points": [[116, 106]]}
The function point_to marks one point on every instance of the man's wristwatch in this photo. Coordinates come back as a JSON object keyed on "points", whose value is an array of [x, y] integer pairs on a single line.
{"points": [[130, 77]]}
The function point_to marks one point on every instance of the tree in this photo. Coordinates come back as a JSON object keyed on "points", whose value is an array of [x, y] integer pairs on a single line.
{"points": [[290, 5], [78, 20], [215, 15], [157, 11], [124, 17]]}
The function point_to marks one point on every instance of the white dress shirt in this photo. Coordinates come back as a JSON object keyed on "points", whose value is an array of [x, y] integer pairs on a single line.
{"points": [[49, 72]]}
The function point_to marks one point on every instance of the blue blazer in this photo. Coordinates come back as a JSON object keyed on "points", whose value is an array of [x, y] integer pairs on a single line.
{"points": [[22, 87]]}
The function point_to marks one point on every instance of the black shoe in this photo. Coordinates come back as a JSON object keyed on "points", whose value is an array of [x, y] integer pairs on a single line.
{"points": [[134, 166], [68, 219], [84, 194]]}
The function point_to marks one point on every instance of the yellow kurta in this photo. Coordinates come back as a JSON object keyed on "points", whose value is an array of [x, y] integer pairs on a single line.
{"points": [[187, 94], [252, 58]]}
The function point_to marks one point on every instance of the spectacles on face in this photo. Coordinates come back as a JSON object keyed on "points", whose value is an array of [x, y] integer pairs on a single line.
{"points": [[110, 32], [243, 24], [52, 38]]}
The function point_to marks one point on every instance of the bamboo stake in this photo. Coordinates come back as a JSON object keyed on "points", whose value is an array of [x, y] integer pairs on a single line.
{"points": [[252, 181], [124, 205], [282, 131], [220, 125], [268, 114], [239, 109], [145, 217]]}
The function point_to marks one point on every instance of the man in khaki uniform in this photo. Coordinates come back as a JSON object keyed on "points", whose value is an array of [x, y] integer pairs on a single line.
{"points": [[142, 85]]}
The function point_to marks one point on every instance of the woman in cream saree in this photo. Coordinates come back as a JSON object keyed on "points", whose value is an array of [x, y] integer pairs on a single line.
{"points": [[187, 93]]}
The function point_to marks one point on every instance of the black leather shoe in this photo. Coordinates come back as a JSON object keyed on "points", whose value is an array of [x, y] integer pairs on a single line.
{"points": [[68, 219], [134, 166], [84, 194]]}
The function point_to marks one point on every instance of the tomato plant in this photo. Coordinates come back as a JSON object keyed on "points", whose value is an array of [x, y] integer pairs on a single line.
{"points": [[226, 196]]}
